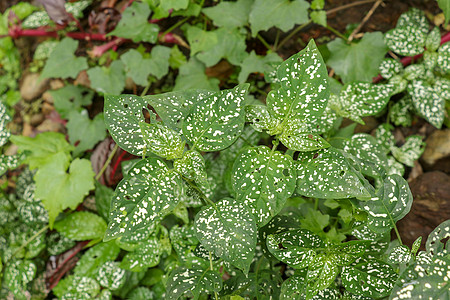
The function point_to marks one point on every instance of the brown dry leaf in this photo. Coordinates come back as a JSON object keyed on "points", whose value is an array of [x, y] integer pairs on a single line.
{"points": [[56, 11]]}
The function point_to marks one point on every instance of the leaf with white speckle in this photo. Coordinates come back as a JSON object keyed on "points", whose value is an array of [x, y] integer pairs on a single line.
{"points": [[162, 140], [401, 112], [111, 276], [228, 230], [302, 98], [293, 288], [95, 257], [400, 255], [361, 99], [297, 248], [321, 273], [263, 180], [216, 122], [260, 119], [393, 202], [193, 281], [435, 241], [147, 255], [142, 198], [369, 278], [385, 137], [410, 151], [390, 67], [4, 119], [433, 39], [428, 101], [73, 284], [192, 167], [409, 36], [10, 162], [327, 174], [17, 275], [443, 59]]}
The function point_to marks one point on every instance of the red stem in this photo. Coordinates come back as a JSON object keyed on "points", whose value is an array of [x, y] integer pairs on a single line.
{"points": [[406, 61], [116, 165]]}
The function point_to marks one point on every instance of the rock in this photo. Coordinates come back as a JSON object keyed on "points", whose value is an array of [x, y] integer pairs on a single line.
{"points": [[36, 119], [50, 125], [56, 84], [438, 147], [431, 206], [47, 108], [83, 79], [47, 97], [33, 86]]}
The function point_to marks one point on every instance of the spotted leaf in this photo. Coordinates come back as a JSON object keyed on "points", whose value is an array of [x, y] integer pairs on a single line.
{"points": [[145, 256], [438, 241], [443, 59], [297, 248], [95, 257], [216, 122], [433, 39], [426, 279], [369, 278], [409, 36], [400, 112], [328, 174], [410, 151], [303, 94], [4, 119], [228, 230], [192, 282], [111, 276], [294, 139], [9, 162], [142, 198], [263, 180], [192, 167], [392, 203], [17, 275], [260, 119], [360, 99], [162, 140], [71, 287], [385, 137], [428, 101], [321, 273], [390, 67], [293, 288], [400, 255]]}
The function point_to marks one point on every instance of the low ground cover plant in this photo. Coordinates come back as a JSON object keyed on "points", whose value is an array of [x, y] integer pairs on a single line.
{"points": [[226, 196]]}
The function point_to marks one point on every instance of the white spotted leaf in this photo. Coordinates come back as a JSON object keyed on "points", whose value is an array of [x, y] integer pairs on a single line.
{"points": [[260, 119], [142, 198], [443, 59], [162, 141], [428, 101], [10, 162], [111, 276], [263, 180], [192, 282], [321, 273], [369, 278], [302, 97], [297, 248], [390, 67], [400, 112], [216, 122], [17, 275], [147, 255], [228, 230], [433, 39], [385, 137], [400, 255], [328, 174], [4, 119], [361, 99], [436, 239], [192, 166], [410, 151], [393, 202], [294, 287], [95, 257]]}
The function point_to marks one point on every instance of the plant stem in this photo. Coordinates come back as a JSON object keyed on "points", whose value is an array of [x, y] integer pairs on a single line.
{"points": [[291, 34], [195, 187], [245, 140], [356, 3], [365, 19], [174, 26], [106, 164], [212, 269], [337, 33], [398, 234], [264, 42], [42, 230]]}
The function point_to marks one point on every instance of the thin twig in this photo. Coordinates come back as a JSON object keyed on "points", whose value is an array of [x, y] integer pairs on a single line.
{"points": [[106, 164], [366, 18], [41, 231]]}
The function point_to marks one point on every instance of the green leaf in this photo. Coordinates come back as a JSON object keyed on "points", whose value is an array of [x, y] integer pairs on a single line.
{"points": [[409, 36], [162, 9], [297, 248], [319, 17], [410, 151], [95, 257], [228, 230], [216, 122], [357, 61], [392, 203], [108, 80], [43, 148], [361, 99], [103, 196], [263, 180], [230, 45], [81, 226], [71, 98], [369, 278], [283, 14], [436, 239], [192, 76], [162, 140], [84, 131], [200, 40], [257, 64], [328, 174], [60, 189], [427, 278], [147, 255], [177, 58], [63, 63], [390, 67], [193, 281], [134, 24], [142, 198], [301, 100], [139, 69], [229, 14], [428, 101]]}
